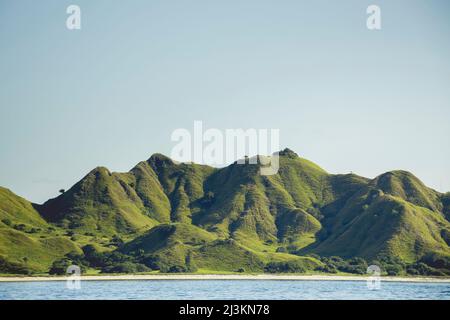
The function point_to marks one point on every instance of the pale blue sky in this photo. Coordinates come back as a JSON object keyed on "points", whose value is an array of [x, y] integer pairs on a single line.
{"points": [[110, 94]]}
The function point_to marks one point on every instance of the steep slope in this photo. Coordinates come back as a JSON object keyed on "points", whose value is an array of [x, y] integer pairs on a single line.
{"points": [[405, 185], [286, 207], [246, 202], [238, 204], [26, 239], [445, 199], [182, 183], [16, 210], [101, 203], [297, 227], [154, 191], [151, 193], [373, 223], [305, 181]]}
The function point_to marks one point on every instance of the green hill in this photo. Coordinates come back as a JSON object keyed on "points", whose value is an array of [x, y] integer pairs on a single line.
{"points": [[102, 203], [384, 224], [26, 239], [17, 210], [180, 217], [405, 185]]}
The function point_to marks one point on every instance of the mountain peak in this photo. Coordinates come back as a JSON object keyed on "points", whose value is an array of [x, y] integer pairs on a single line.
{"points": [[288, 153], [102, 171], [158, 159], [407, 186]]}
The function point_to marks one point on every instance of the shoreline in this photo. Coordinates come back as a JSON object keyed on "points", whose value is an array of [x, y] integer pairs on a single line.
{"points": [[200, 277]]}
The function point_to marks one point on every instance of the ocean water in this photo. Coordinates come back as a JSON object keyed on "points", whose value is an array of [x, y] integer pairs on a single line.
{"points": [[222, 289]]}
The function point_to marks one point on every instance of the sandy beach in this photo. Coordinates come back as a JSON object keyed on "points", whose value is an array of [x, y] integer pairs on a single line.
{"points": [[226, 277]]}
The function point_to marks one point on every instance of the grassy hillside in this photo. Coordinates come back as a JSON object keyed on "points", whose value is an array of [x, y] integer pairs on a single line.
{"points": [[102, 203], [405, 185], [25, 237], [16, 210], [180, 217]]}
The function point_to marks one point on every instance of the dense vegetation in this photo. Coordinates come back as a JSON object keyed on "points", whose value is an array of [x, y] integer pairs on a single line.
{"points": [[168, 217]]}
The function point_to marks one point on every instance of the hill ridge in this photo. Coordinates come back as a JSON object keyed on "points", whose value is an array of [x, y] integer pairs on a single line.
{"points": [[302, 210]]}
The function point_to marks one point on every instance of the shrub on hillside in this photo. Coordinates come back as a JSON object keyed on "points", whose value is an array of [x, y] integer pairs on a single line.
{"points": [[20, 227], [190, 263], [59, 267], [421, 268], [93, 258], [152, 261], [175, 269], [393, 269], [125, 267], [392, 266], [7, 222], [285, 267], [334, 264], [354, 265], [327, 269], [116, 241], [208, 200], [12, 267], [445, 235], [436, 261]]}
